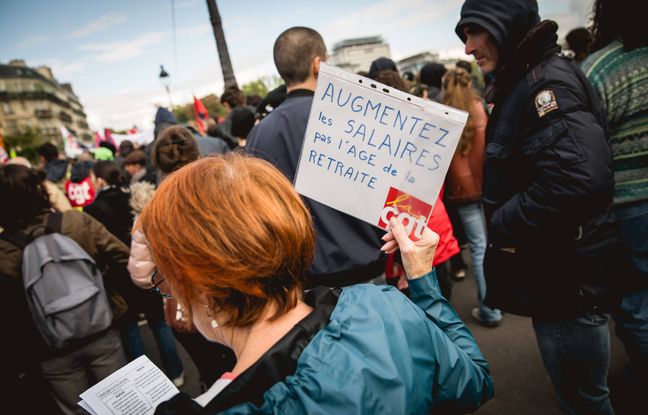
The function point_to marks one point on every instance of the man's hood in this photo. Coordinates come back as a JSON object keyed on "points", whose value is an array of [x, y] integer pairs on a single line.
{"points": [[508, 21]]}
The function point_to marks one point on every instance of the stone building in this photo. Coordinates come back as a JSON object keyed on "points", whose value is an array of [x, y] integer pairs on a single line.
{"points": [[31, 98], [414, 63], [357, 54]]}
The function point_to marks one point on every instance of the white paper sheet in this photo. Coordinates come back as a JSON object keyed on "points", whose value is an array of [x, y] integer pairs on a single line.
{"points": [[374, 152], [135, 389]]}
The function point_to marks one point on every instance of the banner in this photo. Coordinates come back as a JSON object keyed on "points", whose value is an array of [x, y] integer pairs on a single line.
{"points": [[375, 152], [70, 144]]}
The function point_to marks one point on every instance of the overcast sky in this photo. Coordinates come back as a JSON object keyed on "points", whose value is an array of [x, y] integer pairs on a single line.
{"points": [[111, 51]]}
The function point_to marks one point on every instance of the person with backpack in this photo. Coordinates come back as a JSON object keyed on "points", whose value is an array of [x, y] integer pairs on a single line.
{"points": [[56, 308]]}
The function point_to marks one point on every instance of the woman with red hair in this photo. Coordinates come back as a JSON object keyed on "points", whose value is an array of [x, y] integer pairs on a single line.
{"points": [[232, 242]]}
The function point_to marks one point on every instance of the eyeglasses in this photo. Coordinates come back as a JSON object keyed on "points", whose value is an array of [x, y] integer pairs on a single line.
{"points": [[156, 280]]}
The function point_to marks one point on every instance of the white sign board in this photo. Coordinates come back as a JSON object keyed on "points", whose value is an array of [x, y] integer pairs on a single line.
{"points": [[372, 151]]}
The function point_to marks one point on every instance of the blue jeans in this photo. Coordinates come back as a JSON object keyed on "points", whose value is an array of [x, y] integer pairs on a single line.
{"points": [[474, 224], [576, 354], [165, 341], [632, 316]]}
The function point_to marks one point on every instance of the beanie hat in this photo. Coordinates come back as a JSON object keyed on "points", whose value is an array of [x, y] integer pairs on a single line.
{"points": [[103, 153], [80, 170]]}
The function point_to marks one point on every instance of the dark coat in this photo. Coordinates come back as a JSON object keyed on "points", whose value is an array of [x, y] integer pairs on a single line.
{"points": [[111, 207], [26, 346], [548, 179]]}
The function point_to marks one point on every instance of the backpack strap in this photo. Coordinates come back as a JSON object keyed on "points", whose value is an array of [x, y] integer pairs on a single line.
{"points": [[54, 222]]}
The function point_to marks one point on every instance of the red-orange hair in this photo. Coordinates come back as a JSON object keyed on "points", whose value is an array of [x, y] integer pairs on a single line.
{"points": [[231, 227]]}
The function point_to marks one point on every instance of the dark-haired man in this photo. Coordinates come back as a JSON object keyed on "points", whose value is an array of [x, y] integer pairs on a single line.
{"points": [[347, 250], [56, 169], [547, 193]]}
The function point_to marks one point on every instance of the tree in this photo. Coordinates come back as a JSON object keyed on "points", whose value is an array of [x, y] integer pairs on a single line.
{"points": [[221, 45], [262, 85], [25, 144], [184, 113], [255, 88]]}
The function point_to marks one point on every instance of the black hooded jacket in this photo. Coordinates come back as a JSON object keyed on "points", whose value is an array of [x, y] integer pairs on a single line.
{"points": [[548, 178]]}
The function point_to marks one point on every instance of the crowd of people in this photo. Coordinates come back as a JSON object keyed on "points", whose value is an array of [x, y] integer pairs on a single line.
{"points": [[287, 305]]}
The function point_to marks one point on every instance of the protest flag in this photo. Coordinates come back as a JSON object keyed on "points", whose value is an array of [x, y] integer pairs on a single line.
{"points": [[201, 114], [108, 136], [71, 145], [98, 139]]}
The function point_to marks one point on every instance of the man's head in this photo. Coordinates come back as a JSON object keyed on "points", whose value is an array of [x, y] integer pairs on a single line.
{"points": [[232, 97], [48, 152], [135, 162], [482, 46], [297, 54], [491, 29]]}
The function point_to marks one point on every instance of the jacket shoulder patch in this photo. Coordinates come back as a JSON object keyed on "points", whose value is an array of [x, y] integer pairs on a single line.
{"points": [[545, 102]]}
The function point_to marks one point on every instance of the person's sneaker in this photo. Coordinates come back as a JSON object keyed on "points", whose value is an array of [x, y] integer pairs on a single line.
{"points": [[179, 381], [483, 322], [459, 274]]}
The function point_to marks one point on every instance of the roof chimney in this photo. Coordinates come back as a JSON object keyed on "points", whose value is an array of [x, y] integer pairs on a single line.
{"points": [[46, 72], [18, 62]]}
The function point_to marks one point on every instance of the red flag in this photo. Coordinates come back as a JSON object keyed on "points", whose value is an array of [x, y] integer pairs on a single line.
{"points": [[201, 114], [108, 136], [98, 138], [132, 130]]}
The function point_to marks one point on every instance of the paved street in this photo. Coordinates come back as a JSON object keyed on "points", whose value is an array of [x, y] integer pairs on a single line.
{"points": [[522, 386]]}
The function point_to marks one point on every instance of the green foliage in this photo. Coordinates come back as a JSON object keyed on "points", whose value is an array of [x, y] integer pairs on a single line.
{"points": [[255, 88], [185, 113], [261, 87], [25, 144]]}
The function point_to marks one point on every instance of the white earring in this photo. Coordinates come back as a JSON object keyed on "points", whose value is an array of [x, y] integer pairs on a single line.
{"points": [[214, 323]]}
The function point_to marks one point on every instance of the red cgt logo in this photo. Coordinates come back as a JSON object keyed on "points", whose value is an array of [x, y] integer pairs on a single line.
{"points": [[413, 212]]}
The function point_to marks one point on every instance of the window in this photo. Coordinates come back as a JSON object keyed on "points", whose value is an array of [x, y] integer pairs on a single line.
{"points": [[6, 108]]}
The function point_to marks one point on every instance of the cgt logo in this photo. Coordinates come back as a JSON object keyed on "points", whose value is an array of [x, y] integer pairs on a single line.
{"points": [[413, 212]]}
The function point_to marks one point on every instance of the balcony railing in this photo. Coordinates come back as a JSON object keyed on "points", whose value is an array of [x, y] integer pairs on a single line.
{"points": [[43, 113], [64, 116]]}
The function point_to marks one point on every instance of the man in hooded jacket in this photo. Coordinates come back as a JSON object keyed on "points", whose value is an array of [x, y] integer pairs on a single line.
{"points": [[547, 193]]}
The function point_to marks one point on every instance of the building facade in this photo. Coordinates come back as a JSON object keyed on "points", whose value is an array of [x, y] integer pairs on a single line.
{"points": [[31, 98], [356, 55], [414, 63]]}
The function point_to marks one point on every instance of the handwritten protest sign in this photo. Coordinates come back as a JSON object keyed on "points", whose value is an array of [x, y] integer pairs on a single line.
{"points": [[373, 152]]}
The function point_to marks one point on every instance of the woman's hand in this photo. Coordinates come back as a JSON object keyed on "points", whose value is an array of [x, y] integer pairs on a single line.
{"points": [[417, 256]]}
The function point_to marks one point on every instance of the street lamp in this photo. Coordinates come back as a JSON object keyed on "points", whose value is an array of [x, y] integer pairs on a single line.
{"points": [[165, 79]]}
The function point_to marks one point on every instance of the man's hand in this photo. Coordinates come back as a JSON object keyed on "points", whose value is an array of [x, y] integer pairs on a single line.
{"points": [[417, 256]]}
